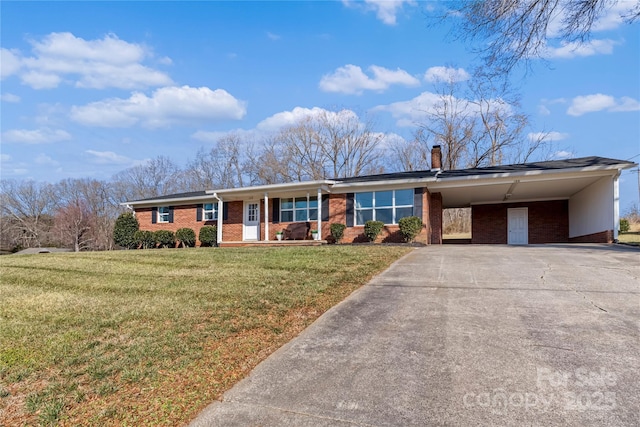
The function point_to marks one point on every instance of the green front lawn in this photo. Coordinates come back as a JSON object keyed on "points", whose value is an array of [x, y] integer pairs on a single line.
{"points": [[151, 337]]}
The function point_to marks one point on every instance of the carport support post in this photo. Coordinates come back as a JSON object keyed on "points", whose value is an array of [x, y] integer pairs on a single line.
{"points": [[616, 207], [319, 213], [266, 217]]}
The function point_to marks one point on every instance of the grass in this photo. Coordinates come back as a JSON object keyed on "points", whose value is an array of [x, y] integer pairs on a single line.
{"points": [[632, 237], [151, 337]]}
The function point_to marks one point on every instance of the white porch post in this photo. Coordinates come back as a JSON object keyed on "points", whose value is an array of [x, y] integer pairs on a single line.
{"points": [[319, 213], [266, 217], [220, 213]]}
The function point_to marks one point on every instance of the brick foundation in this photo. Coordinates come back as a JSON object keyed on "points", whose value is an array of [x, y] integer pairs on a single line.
{"points": [[548, 222], [602, 237]]}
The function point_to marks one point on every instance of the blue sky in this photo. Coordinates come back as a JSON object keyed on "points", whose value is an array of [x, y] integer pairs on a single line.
{"points": [[91, 88]]}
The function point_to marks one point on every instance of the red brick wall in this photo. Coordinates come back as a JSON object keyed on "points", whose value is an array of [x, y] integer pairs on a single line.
{"points": [[435, 218], [548, 222], [183, 216], [602, 237]]}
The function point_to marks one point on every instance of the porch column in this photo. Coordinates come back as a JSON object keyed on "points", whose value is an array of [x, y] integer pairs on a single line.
{"points": [[266, 217], [616, 206], [319, 213], [220, 214]]}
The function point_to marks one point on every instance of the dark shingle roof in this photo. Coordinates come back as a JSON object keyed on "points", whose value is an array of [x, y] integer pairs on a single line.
{"points": [[174, 196], [549, 165], [581, 162]]}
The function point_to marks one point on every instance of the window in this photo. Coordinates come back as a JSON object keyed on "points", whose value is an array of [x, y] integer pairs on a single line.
{"points": [[210, 211], [163, 214], [299, 209], [386, 206]]}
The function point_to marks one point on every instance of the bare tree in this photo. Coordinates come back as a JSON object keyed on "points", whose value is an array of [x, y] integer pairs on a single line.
{"points": [[513, 31], [349, 145], [72, 226], [26, 209], [156, 177], [451, 124], [413, 155]]}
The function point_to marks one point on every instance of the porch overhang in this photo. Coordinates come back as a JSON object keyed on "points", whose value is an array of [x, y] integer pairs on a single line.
{"points": [[273, 190]]}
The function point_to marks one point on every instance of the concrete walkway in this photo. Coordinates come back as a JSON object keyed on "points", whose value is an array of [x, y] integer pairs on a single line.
{"points": [[463, 335]]}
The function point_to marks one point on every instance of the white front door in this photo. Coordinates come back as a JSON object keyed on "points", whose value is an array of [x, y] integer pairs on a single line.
{"points": [[518, 226], [251, 225]]}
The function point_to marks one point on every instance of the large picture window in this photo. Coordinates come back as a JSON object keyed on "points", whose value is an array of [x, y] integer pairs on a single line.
{"points": [[210, 211], [163, 214], [299, 209], [386, 206]]}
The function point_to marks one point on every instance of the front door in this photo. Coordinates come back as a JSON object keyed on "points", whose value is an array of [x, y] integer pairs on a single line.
{"points": [[518, 226], [251, 224]]}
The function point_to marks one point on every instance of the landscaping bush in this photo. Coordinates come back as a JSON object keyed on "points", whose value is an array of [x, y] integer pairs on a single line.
{"points": [[372, 229], [165, 238], [144, 239], [186, 236], [124, 230], [410, 227], [624, 225], [208, 235], [337, 231]]}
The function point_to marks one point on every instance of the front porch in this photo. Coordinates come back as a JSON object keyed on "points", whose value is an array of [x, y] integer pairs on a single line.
{"points": [[263, 243]]}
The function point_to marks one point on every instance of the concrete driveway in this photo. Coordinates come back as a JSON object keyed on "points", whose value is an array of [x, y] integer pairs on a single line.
{"points": [[463, 335]]}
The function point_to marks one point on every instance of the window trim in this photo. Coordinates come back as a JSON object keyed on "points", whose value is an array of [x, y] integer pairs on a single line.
{"points": [[373, 207], [293, 209], [161, 214], [213, 211]]}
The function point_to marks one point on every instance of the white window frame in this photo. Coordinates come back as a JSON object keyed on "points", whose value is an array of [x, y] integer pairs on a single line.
{"points": [[213, 212], [163, 217], [374, 207], [293, 209]]}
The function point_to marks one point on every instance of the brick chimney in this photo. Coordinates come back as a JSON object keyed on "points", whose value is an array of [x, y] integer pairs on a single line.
{"points": [[436, 158]]}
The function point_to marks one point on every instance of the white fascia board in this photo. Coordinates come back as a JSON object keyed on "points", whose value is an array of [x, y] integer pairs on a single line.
{"points": [[289, 186], [527, 176], [346, 187], [163, 202]]}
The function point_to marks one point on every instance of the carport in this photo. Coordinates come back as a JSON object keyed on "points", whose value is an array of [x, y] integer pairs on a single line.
{"points": [[546, 202]]}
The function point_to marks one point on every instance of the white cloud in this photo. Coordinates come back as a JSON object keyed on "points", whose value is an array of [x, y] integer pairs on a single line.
{"points": [[38, 136], [543, 110], [289, 118], [108, 157], [547, 136], [9, 97], [166, 106], [446, 74], [591, 103], [213, 136], [43, 159], [386, 10], [5, 158], [562, 154], [409, 112], [569, 50], [273, 36], [99, 64], [9, 62], [350, 79]]}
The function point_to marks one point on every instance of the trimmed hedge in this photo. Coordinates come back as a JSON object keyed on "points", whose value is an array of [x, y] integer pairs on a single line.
{"points": [[337, 231], [165, 238], [208, 235], [124, 229], [144, 239], [372, 229], [410, 227], [186, 237]]}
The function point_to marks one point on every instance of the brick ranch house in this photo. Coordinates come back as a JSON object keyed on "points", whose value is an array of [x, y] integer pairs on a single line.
{"points": [[561, 201]]}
